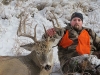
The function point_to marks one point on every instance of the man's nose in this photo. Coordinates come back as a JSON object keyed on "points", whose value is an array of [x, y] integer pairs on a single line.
{"points": [[77, 21]]}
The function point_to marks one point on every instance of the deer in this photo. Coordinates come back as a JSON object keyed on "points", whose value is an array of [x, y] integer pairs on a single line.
{"points": [[38, 62]]}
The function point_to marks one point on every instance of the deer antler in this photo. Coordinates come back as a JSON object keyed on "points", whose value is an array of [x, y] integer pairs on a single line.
{"points": [[58, 29], [19, 33], [44, 28], [56, 20], [48, 38]]}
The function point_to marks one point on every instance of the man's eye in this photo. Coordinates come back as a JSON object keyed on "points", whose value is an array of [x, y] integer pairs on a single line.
{"points": [[79, 20], [74, 20]]}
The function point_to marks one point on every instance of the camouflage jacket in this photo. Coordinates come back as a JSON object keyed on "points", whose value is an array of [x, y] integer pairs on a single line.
{"points": [[65, 54]]}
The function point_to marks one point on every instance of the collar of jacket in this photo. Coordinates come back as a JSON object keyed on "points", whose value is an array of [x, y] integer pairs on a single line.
{"points": [[69, 27]]}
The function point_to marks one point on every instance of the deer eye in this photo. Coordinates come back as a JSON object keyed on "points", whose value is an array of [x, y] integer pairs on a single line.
{"points": [[49, 50]]}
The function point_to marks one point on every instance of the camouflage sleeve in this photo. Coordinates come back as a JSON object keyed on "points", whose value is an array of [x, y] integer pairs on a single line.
{"points": [[96, 39], [63, 58]]}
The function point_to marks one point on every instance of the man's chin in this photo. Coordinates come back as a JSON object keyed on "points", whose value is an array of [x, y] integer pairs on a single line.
{"points": [[76, 27]]}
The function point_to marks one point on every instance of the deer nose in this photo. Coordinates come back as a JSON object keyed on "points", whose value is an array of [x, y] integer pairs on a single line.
{"points": [[47, 67]]}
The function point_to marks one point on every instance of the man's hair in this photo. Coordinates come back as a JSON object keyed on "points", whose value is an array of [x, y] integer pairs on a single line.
{"points": [[77, 14]]}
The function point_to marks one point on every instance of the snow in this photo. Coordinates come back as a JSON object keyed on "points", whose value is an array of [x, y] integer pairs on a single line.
{"points": [[38, 12]]}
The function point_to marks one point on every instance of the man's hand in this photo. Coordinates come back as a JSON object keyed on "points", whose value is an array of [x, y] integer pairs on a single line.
{"points": [[51, 32]]}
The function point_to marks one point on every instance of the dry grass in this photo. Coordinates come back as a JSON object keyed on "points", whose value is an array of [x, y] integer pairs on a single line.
{"points": [[6, 2]]}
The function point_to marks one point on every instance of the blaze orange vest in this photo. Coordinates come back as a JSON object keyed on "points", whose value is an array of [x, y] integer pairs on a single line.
{"points": [[83, 46]]}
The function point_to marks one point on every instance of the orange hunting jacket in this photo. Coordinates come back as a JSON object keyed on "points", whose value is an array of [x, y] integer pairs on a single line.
{"points": [[83, 46]]}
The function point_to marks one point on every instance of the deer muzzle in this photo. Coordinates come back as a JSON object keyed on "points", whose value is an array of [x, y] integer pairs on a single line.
{"points": [[47, 67]]}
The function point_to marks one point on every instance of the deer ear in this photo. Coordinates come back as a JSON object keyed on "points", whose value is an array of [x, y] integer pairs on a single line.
{"points": [[28, 46]]}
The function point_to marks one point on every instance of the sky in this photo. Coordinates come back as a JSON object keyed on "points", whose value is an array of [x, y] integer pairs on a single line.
{"points": [[39, 12]]}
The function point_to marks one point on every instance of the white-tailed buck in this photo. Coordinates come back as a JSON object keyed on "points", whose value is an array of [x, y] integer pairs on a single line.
{"points": [[38, 62]]}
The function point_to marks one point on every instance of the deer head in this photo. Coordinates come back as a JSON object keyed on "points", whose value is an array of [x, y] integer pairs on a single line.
{"points": [[42, 53]]}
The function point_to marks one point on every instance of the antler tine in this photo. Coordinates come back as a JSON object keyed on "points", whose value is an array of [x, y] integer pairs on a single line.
{"points": [[56, 19], [48, 38], [44, 28], [19, 29], [34, 38], [52, 22]]}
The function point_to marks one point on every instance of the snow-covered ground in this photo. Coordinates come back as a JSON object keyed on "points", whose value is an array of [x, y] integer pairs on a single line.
{"points": [[37, 12]]}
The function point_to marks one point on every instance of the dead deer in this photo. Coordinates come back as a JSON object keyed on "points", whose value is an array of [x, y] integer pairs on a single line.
{"points": [[38, 62]]}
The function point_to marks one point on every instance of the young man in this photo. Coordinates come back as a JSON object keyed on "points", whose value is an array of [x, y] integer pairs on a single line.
{"points": [[77, 40]]}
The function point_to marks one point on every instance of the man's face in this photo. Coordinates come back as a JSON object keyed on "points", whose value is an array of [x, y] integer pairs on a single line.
{"points": [[76, 23]]}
